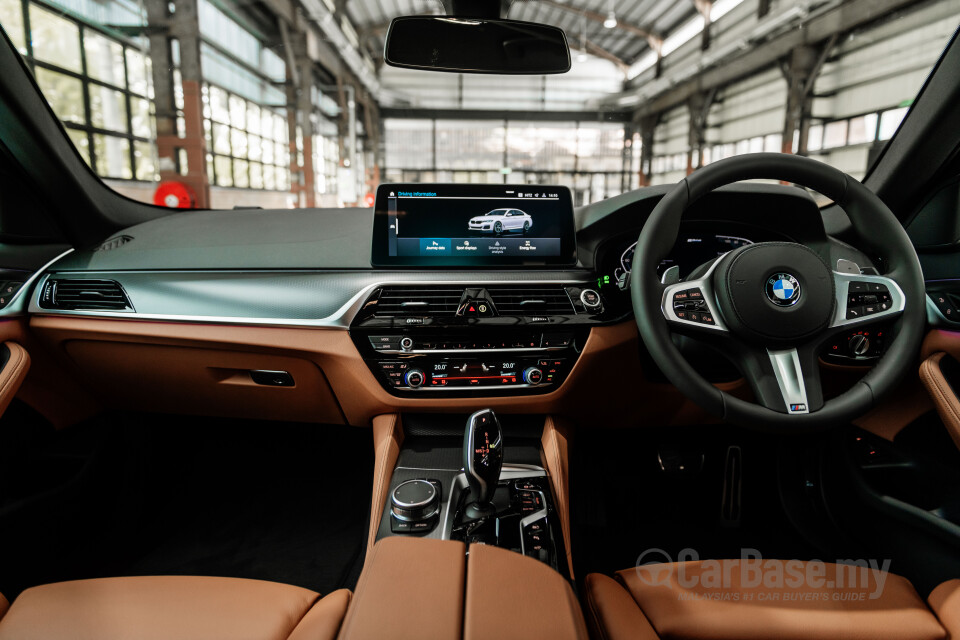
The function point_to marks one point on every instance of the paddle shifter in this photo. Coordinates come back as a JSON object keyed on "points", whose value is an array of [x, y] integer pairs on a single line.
{"points": [[482, 460]]}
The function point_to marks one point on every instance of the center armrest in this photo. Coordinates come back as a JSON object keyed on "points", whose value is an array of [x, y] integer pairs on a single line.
{"points": [[424, 588]]}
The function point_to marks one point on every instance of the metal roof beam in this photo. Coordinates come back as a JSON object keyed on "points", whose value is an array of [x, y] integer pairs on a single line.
{"points": [[837, 20], [487, 114]]}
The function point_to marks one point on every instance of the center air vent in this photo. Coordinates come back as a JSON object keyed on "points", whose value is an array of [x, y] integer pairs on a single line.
{"points": [[418, 301], [525, 300], [94, 295]]}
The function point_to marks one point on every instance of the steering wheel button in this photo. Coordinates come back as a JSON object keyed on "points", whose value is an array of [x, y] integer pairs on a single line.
{"points": [[681, 295], [694, 316], [695, 294], [706, 318], [854, 312], [858, 287]]}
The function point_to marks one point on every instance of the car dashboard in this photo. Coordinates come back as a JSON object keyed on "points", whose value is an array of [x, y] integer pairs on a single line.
{"points": [[255, 313]]}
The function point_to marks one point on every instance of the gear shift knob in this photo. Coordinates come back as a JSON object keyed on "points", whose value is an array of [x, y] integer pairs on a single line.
{"points": [[482, 460]]}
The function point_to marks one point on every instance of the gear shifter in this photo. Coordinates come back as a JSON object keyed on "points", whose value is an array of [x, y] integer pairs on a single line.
{"points": [[482, 460]]}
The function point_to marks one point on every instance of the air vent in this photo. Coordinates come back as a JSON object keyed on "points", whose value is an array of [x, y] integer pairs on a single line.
{"points": [[98, 295], [418, 301], [525, 300]]}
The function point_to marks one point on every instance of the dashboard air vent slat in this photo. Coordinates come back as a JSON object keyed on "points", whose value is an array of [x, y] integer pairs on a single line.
{"points": [[91, 295], [419, 301], [525, 300]]}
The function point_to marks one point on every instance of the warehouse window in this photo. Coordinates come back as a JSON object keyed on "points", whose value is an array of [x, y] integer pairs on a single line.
{"points": [[247, 143], [97, 83]]}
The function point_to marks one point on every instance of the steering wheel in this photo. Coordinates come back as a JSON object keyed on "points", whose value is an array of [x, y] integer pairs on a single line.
{"points": [[771, 306]]}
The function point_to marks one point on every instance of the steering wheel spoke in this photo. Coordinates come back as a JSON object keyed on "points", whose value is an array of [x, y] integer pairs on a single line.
{"points": [[783, 380], [865, 298]]}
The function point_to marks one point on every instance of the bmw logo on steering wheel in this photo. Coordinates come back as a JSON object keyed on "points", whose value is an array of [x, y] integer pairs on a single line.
{"points": [[783, 289]]}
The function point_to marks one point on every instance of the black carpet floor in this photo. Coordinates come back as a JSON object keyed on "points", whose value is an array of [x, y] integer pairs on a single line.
{"points": [[624, 505], [194, 496]]}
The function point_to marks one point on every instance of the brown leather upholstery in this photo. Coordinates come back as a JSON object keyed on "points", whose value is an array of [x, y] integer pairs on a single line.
{"points": [[410, 588], [387, 438], [612, 613], [13, 373], [166, 607], [511, 596], [323, 620], [555, 443], [944, 398], [738, 610], [945, 602], [4, 605]]}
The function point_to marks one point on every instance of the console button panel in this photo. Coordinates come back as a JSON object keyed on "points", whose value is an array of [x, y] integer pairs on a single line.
{"points": [[866, 299], [526, 522], [689, 304]]}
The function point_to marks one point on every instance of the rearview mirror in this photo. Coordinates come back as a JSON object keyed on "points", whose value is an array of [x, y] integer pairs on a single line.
{"points": [[476, 45]]}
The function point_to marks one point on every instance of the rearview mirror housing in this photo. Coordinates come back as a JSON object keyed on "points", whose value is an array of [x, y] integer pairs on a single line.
{"points": [[476, 45]]}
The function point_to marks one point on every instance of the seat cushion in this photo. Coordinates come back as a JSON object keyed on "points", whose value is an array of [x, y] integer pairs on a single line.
{"points": [[165, 607], [788, 600]]}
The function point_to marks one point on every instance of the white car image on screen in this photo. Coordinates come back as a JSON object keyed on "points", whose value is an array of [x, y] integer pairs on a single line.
{"points": [[500, 220]]}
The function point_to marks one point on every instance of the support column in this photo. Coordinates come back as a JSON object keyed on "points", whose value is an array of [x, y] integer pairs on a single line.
{"points": [[183, 25], [626, 158], [800, 71], [647, 125], [704, 7], [371, 142], [656, 44], [305, 113], [299, 121], [699, 107]]}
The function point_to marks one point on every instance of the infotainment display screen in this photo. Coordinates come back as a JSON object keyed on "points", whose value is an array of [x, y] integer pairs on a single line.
{"points": [[464, 225]]}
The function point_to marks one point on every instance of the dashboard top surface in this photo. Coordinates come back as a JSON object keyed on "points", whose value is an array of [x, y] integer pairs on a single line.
{"points": [[339, 239]]}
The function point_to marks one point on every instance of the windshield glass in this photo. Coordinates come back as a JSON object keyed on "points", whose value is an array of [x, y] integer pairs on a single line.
{"points": [[219, 104]]}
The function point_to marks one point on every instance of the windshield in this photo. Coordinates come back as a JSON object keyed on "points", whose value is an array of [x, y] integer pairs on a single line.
{"points": [[219, 104]]}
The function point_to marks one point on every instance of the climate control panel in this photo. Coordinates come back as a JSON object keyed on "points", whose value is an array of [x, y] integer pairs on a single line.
{"points": [[472, 373], [498, 363]]}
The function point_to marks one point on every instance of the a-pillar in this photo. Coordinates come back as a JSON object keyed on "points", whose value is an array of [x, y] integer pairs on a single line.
{"points": [[175, 148]]}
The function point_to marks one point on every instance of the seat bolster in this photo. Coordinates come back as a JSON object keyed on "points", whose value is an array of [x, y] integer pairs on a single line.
{"points": [[945, 602], [4, 605], [323, 620], [612, 613]]}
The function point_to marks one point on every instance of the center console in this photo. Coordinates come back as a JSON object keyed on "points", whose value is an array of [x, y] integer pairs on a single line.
{"points": [[479, 484]]}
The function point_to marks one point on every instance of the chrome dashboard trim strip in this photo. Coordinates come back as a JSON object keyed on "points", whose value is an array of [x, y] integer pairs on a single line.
{"points": [[520, 350], [341, 319]]}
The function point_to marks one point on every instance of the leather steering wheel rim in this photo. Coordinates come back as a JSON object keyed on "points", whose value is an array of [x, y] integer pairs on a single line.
{"points": [[885, 237]]}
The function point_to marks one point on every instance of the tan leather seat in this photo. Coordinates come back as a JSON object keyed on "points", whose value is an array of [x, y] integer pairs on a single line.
{"points": [[168, 607], [694, 601]]}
